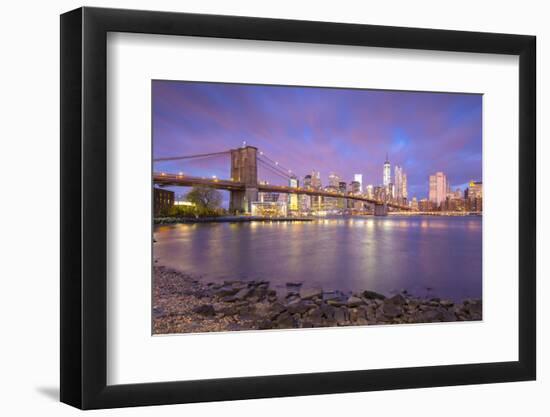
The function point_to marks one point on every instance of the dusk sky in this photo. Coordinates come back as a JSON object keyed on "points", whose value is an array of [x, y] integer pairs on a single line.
{"points": [[325, 129]]}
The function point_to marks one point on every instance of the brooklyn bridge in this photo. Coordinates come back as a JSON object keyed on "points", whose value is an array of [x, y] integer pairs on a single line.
{"points": [[244, 185]]}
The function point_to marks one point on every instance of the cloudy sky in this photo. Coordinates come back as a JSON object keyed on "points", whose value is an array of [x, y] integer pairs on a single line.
{"points": [[327, 129]]}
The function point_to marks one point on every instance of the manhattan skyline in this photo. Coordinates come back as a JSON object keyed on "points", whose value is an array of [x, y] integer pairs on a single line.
{"points": [[346, 131]]}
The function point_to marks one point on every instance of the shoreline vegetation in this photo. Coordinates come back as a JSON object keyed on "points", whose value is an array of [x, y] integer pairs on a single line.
{"points": [[185, 304]]}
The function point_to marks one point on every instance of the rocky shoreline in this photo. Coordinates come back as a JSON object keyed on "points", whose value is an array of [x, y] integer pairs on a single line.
{"points": [[184, 304]]}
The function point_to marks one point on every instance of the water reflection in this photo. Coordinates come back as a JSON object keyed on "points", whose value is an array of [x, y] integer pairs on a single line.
{"points": [[382, 254]]}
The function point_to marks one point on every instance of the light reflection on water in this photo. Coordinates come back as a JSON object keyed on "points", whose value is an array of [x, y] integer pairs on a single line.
{"points": [[385, 254]]}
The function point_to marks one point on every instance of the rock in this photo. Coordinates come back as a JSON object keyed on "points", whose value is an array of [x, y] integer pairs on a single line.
{"points": [[474, 307], [446, 303], [328, 311], [331, 295], [298, 307], [276, 309], [229, 310], [354, 301], [392, 310], [397, 299], [265, 324], [205, 310], [158, 312], [430, 316], [242, 294], [372, 295], [285, 321], [310, 293], [315, 315], [341, 315], [226, 290]]}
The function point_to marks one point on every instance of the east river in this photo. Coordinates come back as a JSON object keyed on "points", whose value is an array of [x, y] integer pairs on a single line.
{"points": [[424, 255]]}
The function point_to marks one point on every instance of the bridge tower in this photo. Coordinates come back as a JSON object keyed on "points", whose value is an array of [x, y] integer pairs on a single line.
{"points": [[244, 169], [380, 209]]}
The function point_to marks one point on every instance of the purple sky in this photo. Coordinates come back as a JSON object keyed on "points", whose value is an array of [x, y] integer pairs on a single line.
{"points": [[330, 130]]}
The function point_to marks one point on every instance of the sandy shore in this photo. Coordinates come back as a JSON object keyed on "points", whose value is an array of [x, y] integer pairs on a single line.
{"points": [[184, 304]]}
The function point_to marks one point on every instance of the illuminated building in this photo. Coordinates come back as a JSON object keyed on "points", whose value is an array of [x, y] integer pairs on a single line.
{"points": [[269, 209], [293, 198], [355, 188], [387, 173], [359, 179], [316, 180], [426, 205], [438, 188], [342, 188], [316, 201], [398, 182], [474, 196], [333, 180], [404, 191], [369, 191], [414, 204], [330, 203], [164, 200], [264, 197], [305, 200]]}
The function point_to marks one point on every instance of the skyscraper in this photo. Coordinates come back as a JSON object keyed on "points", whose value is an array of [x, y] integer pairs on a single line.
{"points": [[369, 190], [387, 173], [316, 201], [316, 180], [438, 188], [398, 182], [293, 198], [404, 192], [333, 180], [359, 178]]}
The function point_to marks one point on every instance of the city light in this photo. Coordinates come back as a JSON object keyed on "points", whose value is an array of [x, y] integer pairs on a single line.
{"points": [[308, 197]]}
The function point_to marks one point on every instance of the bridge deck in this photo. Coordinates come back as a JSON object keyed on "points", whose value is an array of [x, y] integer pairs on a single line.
{"points": [[164, 179]]}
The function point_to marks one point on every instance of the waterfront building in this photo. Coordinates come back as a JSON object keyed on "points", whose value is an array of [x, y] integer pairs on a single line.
{"points": [[269, 209], [386, 176], [265, 197], [293, 198], [331, 203], [414, 204], [316, 180], [333, 180], [474, 196], [426, 205], [389, 192], [316, 201], [355, 187], [163, 200], [398, 182], [305, 203], [307, 181], [404, 191], [359, 178], [342, 188], [438, 188], [369, 191], [379, 193]]}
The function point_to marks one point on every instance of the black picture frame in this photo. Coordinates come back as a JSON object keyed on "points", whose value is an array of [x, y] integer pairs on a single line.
{"points": [[84, 207]]}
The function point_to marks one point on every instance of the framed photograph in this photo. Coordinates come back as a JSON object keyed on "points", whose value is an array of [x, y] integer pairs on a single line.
{"points": [[257, 208]]}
